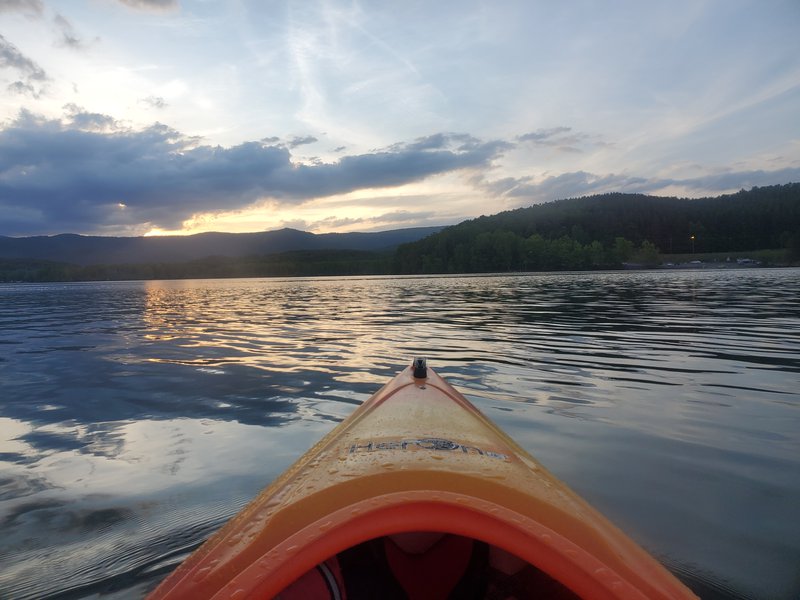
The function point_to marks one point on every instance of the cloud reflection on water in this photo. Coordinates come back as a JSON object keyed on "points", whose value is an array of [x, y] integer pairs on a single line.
{"points": [[145, 413], [102, 493]]}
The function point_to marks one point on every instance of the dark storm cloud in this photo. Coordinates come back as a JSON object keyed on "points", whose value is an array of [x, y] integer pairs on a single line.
{"points": [[31, 75], [87, 173], [402, 163]]}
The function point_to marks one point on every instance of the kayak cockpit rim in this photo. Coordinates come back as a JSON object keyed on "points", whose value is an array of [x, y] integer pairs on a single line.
{"points": [[444, 512]]}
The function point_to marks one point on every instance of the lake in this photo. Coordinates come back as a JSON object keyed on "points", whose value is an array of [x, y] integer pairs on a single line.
{"points": [[136, 417]]}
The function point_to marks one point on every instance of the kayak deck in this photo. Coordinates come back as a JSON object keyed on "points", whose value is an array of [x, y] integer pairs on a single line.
{"points": [[418, 458]]}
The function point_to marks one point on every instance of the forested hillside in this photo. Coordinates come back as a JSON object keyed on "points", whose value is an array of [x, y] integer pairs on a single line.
{"points": [[608, 230], [596, 232]]}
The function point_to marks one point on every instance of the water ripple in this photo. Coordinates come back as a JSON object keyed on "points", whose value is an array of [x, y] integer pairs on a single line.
{"points": [[137, 416]]}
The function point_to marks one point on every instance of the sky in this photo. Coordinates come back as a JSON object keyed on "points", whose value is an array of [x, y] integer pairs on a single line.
{"points": [[147, 117]]}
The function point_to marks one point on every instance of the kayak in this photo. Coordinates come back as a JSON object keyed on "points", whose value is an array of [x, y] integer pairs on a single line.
{"points": [[418, 495]]}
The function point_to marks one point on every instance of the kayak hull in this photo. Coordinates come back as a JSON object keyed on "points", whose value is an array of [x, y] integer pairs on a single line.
{"points": [[418, 457]]}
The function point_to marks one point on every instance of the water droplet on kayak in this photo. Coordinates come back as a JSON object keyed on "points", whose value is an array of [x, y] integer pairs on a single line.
{"points": [[201, 574], [325, 526], [240, 593]]}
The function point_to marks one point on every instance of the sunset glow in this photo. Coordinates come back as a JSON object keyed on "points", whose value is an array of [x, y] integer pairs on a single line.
{"points": [[330, 116]]}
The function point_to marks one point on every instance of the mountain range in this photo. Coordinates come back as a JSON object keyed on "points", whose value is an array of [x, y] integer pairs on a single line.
{"points": [[605, 231], [91, 250]]}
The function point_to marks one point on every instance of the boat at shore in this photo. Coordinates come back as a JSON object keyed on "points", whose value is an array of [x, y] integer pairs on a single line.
{"points": [[418, 495]]}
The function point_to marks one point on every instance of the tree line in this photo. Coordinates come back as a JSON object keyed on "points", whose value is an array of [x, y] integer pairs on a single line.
{"points": [[605, 231], [596, 232], [500, 250]]}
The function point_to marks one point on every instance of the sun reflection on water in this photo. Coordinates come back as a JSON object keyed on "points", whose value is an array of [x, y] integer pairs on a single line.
{"points": [[137, 416]]}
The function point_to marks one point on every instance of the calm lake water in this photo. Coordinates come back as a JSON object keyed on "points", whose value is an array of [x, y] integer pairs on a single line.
{"points": [[136, 417]]}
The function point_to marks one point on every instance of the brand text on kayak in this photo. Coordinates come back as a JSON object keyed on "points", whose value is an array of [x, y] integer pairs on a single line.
{"points": [[436, 444]]}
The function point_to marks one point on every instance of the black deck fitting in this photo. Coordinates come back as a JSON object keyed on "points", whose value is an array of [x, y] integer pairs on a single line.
{"points": [[420, 368]]}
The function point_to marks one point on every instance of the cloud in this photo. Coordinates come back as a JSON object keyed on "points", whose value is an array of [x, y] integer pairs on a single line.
{"points": [[23, 88], [329, 223], [86, 121], [525, 190], [154, 102], [544, 136], [31, 8], [735, 180], [300, 224], [461, 141], [32, 75], [578, 183], [300, 141], [68, 35], [404, 216], [73, 174], [152, 5], [394, 219], [560, 138]]}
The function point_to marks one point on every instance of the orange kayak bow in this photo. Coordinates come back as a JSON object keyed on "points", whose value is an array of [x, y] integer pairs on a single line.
{"points": [[422, 484]]}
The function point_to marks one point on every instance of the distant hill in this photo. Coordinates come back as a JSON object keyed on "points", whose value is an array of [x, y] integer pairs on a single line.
{"points": [[93, 250], [608, 231], [605, 231]]}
